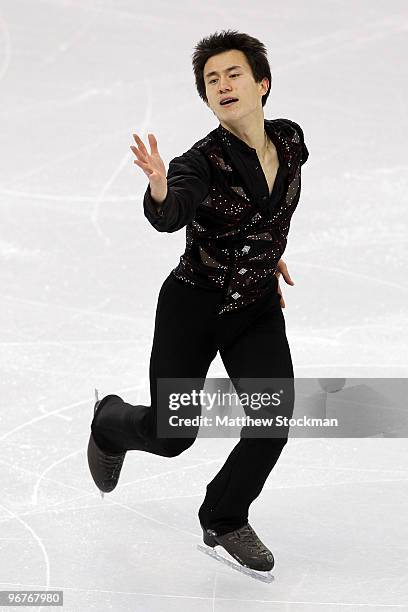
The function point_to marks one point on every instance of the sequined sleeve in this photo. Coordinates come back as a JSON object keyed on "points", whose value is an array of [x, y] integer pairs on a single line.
{"points": [[305, 152], [296, 126], [188, 183]]}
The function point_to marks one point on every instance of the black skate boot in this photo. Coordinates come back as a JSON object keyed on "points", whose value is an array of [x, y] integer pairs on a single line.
{"points": [[104, 466], [243, 545]]}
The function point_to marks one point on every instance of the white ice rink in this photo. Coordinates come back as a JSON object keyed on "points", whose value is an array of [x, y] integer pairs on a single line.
{"points": [[81, 268]]}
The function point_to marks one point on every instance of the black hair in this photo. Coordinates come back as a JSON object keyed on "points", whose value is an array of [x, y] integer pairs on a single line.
{"points": [[254, 50]]}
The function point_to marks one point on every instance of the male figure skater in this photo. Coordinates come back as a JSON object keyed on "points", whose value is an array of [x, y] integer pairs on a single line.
{"points": [[235, 191]]}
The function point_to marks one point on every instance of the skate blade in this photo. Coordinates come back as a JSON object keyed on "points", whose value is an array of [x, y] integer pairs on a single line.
{"points": [[258, 575]]}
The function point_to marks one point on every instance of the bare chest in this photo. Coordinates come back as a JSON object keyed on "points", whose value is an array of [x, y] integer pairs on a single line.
{"points": [[270, 168]]}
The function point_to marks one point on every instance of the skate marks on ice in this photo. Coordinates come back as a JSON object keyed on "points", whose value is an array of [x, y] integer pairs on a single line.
{"points": [[258, 575]]}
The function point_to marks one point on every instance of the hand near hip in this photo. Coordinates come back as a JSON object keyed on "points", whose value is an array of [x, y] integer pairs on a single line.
{"points": [[283, 269]]}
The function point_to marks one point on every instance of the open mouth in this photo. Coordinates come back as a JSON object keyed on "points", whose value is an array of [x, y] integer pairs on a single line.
{"points": [[229, 102]]}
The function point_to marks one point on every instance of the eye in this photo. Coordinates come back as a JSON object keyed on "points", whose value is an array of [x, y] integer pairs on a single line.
{"points": [[213, 80]]}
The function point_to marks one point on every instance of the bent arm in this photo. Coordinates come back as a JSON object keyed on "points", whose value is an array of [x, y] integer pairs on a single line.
{"points": [[188, 182]]}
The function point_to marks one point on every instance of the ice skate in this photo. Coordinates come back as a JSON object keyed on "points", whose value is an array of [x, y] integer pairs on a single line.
{"points": [[244, 546], [104, 467]]}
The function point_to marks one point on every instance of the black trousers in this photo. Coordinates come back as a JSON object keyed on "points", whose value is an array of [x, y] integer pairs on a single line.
{"points": [[186, 340]]}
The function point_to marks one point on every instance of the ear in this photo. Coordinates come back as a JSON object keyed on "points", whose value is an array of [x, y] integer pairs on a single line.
{"points": [[265, 82]]}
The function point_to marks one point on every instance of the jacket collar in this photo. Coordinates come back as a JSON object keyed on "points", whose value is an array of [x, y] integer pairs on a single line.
{"points": [[229, 139], [232, 142]]}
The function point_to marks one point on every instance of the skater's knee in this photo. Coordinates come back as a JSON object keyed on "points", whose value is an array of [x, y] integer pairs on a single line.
{"points": [[175, 447], [281, 443]]}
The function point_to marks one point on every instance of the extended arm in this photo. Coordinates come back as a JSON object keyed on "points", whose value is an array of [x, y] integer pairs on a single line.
{"points": [[171, 201], [188, 182]]}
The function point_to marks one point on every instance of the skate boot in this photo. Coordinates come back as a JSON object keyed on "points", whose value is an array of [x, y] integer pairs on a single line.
{"points": [[243, 545], [104, 466]]}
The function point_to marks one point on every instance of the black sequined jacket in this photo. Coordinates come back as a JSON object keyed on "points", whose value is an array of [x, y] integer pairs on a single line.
{"points": [[235, 231]]}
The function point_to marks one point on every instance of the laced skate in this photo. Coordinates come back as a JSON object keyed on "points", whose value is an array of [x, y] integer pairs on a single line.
{"points": [[244, 546], [104, 467]]}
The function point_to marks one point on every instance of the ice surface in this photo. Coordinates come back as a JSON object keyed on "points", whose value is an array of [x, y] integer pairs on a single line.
{"points": [[77, 78]]}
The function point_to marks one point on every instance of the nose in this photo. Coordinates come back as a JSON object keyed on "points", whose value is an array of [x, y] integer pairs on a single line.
{"points": [[224, 85]]}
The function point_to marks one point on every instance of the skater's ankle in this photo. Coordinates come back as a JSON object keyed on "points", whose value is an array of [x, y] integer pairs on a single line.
{"points": [[105, 444]]}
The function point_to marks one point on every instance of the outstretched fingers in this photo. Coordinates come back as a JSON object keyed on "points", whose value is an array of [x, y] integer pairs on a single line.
{"points": [[153, 144]]}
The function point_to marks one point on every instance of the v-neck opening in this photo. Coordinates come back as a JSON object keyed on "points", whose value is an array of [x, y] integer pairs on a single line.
{"points": [[276, 179], [228, 139], [270, 132]]}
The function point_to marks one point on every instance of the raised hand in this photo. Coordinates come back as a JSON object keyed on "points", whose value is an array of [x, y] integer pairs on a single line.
{"points": [[152, 165]]}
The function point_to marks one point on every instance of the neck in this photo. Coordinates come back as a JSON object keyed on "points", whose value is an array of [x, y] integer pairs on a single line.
{"points": [[251, 132]]}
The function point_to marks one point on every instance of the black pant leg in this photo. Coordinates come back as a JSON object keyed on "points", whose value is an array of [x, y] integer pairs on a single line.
{"points": [[184, 345], [261, 351]]}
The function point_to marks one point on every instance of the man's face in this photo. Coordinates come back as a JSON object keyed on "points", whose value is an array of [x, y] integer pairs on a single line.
{"points": [[238, 83]]}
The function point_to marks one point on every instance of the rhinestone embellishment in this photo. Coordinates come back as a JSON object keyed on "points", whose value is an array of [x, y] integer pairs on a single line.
{"points": [[229, 214]]}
